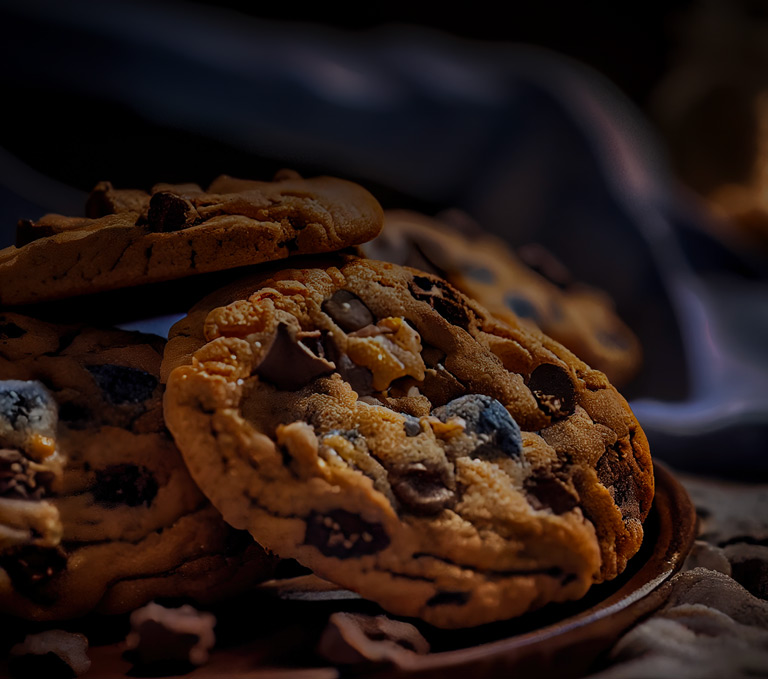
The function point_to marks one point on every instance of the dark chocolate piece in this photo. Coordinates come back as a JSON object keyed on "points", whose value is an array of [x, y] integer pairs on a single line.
{"points": [[498, 432], [422, 488], [289, 364], [412, 426], [348, 311], [344, 535], [124, 484], [9, 330], [442, 298], [122, 385], [553, 390], [169, 211]]}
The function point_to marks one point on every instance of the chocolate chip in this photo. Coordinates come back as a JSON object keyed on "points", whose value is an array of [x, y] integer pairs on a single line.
{"points": [[348, 311], [170, 212], [478, 273], [121, 384], [359, 377], [422, 488], [547, 492], [496, 430], [344, 535], [289, 364], [449, 599], [521, 306], [18, 481], [615, 475], [53, 654], [10, 330], [124, 484], [442, 298], [553, 390], [30, 566], [412, 426]]}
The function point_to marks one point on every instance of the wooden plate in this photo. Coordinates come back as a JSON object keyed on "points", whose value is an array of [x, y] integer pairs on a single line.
{"points": [[272, 631]]}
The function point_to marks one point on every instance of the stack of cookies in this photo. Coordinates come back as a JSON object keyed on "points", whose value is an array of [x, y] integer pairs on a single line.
{"points": [[409, 434]]}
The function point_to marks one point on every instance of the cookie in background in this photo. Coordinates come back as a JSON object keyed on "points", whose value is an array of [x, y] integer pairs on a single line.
{"points": [[528, 286]]}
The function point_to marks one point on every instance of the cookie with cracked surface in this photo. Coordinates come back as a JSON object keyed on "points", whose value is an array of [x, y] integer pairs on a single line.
{"points": [[131, 237], [386, 431], [132, 524], [528, 284]]}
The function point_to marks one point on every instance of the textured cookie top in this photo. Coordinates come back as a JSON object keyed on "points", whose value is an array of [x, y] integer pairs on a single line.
{"points": [[529, 285], [375, 424], [131, 237], [130, 520]]}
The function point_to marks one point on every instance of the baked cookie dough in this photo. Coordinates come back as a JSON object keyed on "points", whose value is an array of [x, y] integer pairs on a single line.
{"points": [[528, 284], [387, 432], [132, 238], [132, 525]]}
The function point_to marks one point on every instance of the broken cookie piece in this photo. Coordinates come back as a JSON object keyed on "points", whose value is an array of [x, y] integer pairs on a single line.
{"points": [[54, 654], [164, 635]]}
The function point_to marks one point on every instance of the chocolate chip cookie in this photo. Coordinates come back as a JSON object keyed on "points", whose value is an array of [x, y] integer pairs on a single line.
{"points": [[528, 284], [131, 237], [132, 525], [389, 433]]}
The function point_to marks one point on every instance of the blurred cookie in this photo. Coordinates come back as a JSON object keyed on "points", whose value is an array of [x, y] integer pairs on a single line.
{"points": [[386, 431], [131, 238], [530, 285], [133, 525]]}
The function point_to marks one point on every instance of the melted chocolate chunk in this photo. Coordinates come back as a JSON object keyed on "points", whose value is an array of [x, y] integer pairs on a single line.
{"points": [[31, 566], [615, 475], [122, 385], [124, 484], [348, 311], [496, 430], [521, 306], [344, 535], [442, 298], [10, 330], [170, 212], [290, 364], [18, 481], [553, 390], [422, 488], [449, 599], [547, 492]]}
